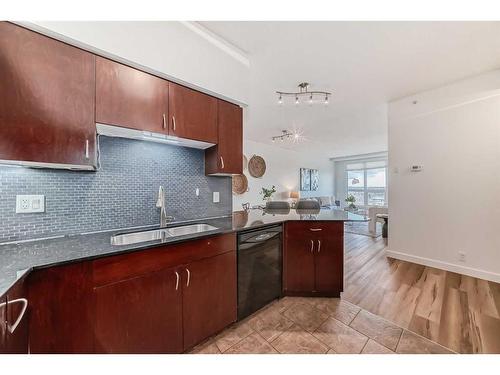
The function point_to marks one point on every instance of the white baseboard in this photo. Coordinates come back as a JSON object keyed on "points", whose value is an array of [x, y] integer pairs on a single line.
{"points": [[474, 272]]}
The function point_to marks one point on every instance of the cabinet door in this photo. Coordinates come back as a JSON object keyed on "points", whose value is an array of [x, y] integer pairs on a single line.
{"points": [[329, 260], [298, 258], [17, 319], [227, 156], [61, 311], [3, 325], [130, 98], [192, 114], [209, 297], [140, 315], [48, 99]]}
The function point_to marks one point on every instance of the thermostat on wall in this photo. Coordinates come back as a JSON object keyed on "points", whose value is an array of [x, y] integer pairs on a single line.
{"points": [[416, 168]]}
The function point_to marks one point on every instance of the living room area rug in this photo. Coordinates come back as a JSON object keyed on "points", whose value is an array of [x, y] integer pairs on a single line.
{"points": [[362, 228]]}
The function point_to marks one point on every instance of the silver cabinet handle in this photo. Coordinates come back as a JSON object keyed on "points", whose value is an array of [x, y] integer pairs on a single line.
{"points": [[3, 306], [312, 246], [189, 277], [86, 149], [164, 121], [24, 301], [222, 162], [319, 246], [315, 229], [177, 280], [173, 122]]}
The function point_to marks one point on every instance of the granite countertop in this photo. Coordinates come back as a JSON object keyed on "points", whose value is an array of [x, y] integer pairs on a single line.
{"points": [[18, 259]]}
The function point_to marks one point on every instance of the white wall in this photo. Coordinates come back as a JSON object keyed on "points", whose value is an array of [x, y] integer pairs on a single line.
{"points": [[283, 171], [167, 48], [453, 204]]}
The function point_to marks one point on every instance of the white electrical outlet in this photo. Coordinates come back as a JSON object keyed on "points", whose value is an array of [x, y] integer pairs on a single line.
{"points": [[197, 192], [461, 256], [30, 203], [216, 197]]}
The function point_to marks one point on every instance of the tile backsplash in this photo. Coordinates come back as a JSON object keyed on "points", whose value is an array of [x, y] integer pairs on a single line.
{"points": [[121, 194]]}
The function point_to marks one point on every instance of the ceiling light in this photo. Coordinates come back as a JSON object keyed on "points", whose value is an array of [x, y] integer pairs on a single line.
{"points": [[287, 135], [303, 91]]}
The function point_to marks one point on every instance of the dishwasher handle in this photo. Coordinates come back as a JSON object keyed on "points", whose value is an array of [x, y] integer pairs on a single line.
{"points": [[261, 237]]}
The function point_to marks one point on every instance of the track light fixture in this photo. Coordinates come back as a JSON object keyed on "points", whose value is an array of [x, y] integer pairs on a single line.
{"points": [[304, 91], [286, 135]]}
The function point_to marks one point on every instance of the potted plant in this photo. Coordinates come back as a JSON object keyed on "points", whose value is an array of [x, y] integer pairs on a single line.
{"points": [[351, 199], [267, 193]]}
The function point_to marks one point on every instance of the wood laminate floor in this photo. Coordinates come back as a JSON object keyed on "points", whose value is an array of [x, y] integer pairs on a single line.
{"points": [[457, 311]]}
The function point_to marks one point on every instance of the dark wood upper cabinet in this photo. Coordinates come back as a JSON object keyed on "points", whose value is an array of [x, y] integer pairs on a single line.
{"points": [[209, 297], [313, 258], [130, 98], [140, 315], [192, 114], [227, 156], [48, 99]]}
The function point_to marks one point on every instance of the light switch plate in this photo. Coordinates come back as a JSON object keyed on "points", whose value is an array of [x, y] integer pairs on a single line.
{"points": [[216, 197], [26, 204]]}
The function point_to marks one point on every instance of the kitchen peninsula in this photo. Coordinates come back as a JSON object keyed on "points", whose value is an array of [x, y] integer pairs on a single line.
{"points": [[84, 272]]}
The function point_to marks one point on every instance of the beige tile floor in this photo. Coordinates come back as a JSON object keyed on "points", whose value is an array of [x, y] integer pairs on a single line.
{"points": [[296, 325]]}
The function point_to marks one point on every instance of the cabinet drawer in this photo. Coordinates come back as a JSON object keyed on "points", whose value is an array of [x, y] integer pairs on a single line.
{"points": [[121, 267], [300, 229]]}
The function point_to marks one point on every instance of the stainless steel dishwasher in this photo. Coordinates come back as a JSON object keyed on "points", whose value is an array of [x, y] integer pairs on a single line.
{"points": [[259, 268]]}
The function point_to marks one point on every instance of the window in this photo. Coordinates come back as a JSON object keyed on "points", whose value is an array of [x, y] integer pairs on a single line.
{"points": [[367, 182]]}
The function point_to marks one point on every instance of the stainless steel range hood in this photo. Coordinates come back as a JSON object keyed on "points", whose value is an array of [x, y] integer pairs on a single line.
{"points": [[116, 131]]}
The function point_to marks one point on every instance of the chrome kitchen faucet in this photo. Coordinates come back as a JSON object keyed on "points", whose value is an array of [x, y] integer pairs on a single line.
{"points": [[160, 203]]}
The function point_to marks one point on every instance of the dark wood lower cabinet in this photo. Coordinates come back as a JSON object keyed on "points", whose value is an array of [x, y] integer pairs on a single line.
{"points": [[61, 317], [299, 262], [162, 300], [313, 258], [3, 325], [17, 319], [329, 261], [140, 315], [209, 300]]}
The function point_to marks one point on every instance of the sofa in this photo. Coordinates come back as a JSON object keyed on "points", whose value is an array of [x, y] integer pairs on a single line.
{"points": [[324, 201], [372, 215]]}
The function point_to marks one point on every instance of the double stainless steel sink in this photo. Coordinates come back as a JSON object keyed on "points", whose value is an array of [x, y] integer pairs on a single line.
{"points": [[160, 234]]}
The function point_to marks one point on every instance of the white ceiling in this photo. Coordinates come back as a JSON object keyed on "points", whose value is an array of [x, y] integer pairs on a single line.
{"points": [[365, 64]]}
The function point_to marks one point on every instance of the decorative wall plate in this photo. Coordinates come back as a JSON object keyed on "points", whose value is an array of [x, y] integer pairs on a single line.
{"points": [[256, 166], [240, 184]]}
